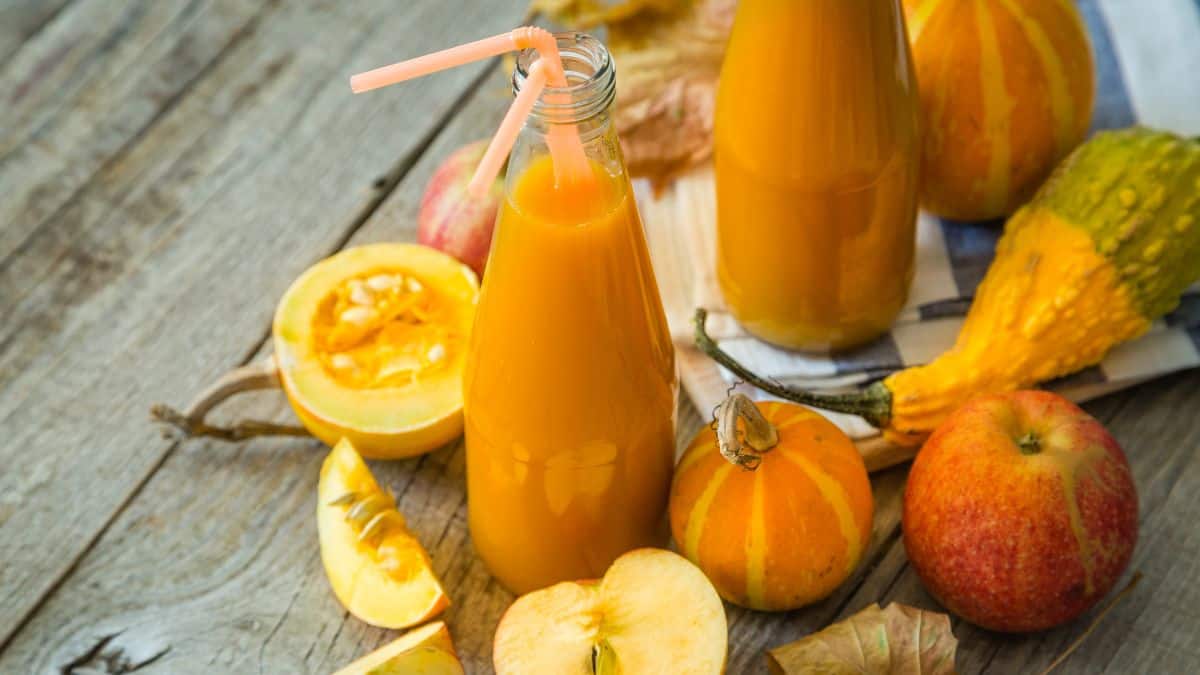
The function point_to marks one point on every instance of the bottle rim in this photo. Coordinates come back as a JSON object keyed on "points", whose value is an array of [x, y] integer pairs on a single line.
{"points": [[591, 80]]}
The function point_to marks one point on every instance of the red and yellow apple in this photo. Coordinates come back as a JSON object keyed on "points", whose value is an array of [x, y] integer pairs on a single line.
{"points": [[453, 221], [653, 612], [1020, 512]]}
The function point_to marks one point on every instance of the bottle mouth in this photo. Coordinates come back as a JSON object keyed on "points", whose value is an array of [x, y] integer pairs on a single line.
{"points": [[591, 80]]}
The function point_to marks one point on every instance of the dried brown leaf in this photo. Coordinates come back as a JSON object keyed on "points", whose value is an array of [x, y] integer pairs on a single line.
{"points": [[899, 640], [668, 55]]}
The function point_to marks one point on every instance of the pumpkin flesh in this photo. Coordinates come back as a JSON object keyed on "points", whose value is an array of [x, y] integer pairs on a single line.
{"points": [[376, 567], [371, 345]]}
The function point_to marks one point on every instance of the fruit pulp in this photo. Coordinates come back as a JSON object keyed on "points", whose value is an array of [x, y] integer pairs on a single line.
{"points": [[816, 156], [570, 388]]}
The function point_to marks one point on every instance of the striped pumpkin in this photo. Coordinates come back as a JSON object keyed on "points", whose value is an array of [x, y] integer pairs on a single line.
{"points": [[782, 523], [1007, 88]]}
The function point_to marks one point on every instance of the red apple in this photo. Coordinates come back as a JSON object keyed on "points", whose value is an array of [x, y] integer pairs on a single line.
{"points": [[1020, 512], [451, 220]]}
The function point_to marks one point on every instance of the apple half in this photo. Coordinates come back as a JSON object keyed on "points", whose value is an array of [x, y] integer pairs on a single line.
{"points": [[427, 650], [653, 612], [377, 568]]}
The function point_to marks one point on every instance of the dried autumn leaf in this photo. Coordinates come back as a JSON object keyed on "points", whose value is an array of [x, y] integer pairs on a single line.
{"points": [[893, 641], [668, 55]]}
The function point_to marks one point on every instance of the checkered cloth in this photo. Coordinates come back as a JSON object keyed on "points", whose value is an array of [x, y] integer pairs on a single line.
{"points": [[1147, 55]]}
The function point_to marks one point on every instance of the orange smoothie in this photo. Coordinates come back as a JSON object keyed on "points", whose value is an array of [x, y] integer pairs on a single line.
{"points": [[816, 156], [570, 386]]}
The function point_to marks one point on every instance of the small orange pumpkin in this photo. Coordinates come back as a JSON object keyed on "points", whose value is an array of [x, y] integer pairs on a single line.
{"points": [[1007, 89], [776, 509]]}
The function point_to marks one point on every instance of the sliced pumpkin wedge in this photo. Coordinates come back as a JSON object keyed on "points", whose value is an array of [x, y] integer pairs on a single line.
{"points": [[377, 568], [427, 650], [371, 344]]}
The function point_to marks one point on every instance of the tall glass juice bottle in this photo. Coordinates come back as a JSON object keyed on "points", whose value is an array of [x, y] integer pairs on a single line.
{"points": [[816, 155], [571, 385]]}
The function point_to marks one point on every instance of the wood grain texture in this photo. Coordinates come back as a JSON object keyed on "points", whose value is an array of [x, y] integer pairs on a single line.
{"points": [[22, 19], [222, 573], [163, 270], [149, 257], [84, 89]]}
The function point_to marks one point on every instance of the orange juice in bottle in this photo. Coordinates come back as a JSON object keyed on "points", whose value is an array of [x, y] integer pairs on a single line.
{"points": [[570, 389], [816, 157]]}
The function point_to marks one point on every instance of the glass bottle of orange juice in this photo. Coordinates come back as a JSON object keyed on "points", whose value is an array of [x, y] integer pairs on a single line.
{"points": [[570, 389], [816, 157]]}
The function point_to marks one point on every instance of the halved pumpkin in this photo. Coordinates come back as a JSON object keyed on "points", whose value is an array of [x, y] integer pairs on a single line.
{"points": [[377, 568], [421, 651], [371, 344]]}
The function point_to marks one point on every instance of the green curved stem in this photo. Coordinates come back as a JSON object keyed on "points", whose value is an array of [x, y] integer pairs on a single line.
{"points": [[873, 404]]}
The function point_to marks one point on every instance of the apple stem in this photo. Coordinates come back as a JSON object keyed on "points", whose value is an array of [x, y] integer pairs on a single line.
{"points": [[192, 422], [873, 404], [759, 434], [1030, 444]]}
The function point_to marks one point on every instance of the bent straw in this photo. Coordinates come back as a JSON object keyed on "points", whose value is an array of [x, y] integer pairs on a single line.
{"points": [[432, 63], [566, 148], [506, 135]]}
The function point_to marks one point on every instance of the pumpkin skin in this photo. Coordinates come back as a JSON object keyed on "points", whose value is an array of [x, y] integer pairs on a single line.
{"points": [[782, 535], [1007, 89]]}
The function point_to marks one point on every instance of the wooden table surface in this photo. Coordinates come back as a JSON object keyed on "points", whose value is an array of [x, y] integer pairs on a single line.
{"points": [[167, 168]]}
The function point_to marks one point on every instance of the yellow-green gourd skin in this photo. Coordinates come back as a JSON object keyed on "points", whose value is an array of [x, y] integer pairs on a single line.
{"points": [[1136, 192], [1107, 245]]}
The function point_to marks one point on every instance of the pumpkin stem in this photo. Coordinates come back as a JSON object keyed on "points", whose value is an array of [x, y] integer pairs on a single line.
{"points": [[873, 404], [192, 422], [760, 435]]}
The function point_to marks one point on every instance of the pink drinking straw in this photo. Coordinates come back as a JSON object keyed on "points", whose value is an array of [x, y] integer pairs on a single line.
{"points": [[566, 148], [506, 135]]}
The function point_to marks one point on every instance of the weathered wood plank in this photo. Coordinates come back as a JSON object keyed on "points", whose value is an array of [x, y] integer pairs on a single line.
{"points": [[21, 19], [85, 88], [224, 572], [162, 272]]}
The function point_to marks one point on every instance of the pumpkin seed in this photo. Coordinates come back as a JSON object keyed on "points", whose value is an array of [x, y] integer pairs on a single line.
{"points": [[347, 498], [382, 282], [373, 527], [361, 295], [357, 315], [366, 508], [436, 353]]}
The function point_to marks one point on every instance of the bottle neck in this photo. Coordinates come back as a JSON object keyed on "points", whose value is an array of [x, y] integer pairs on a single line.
{"points": [[591, 84]]}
